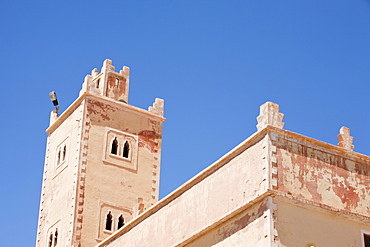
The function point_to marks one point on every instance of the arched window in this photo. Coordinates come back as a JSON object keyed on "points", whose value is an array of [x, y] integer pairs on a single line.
{"points": [[114, 146], [108, 222], [121, 221], [98, 83], [56, 237], [51, 240], [117, 82], [64, 153], [126, 149]]}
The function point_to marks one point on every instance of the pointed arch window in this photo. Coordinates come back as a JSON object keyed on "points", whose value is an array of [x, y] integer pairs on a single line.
{"points": [[51, 240], [121, 149], [117, 82], [121, 222], [114, 148], [64, 152], [56, 237], [108, 222], [61, 156], [126, 150]]}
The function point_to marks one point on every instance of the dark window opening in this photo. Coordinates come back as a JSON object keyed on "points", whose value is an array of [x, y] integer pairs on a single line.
{"points": [[56, 237], [58, 161], [117, 82], [51, 240], [367, 240], [64, 153], [98, 83], [121, 221], [114, 146], [108, 223], [126, 150]]}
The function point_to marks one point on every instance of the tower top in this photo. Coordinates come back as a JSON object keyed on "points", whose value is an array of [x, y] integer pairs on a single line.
{"points": [[112, 86], [108, 82]]}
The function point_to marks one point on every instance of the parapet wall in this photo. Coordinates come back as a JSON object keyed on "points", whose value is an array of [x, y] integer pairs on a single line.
{"points": [[322, 173]]}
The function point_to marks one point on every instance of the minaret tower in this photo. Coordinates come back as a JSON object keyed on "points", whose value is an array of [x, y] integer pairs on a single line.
{"points": [[102, 162]]}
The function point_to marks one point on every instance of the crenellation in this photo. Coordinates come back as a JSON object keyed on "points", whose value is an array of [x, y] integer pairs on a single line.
{"points": [[125, 71], [345, 139], [107, 66], [95, 72], [270, 115], [158, 107], [108, 83], [88, 86]]}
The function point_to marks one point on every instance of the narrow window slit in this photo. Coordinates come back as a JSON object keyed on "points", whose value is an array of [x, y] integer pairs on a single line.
{"points": [[64, 153], [56, 237], [58, 159], [121, 221], [108, 223], [126, 149], [51, 240], [114, 146], [98, 83]]}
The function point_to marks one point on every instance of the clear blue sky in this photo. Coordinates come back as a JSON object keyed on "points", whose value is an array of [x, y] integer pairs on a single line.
{"points": [[214, 63]]}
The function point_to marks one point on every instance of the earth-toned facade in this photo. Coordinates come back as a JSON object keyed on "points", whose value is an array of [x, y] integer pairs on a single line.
{"points": [[276, 188]]}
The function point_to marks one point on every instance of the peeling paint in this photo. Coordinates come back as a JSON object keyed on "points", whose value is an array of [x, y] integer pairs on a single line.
{"points": [[148, 138], [116, 86], [241, 223], [322, 177], [96, 108], [346, 193]]}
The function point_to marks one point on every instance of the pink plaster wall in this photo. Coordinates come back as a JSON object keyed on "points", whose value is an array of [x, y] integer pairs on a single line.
{"points": [[327, 175]]}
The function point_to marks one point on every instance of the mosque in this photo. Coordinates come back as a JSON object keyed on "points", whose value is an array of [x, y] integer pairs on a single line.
{"points": [[276, 188]]}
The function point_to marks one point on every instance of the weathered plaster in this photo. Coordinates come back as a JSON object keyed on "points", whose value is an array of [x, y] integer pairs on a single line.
{"points": [[209, 199], [119, 184], [59, 183], [326, 176], [240, 230], [73, 191], [275, 164], [277, 188]]}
